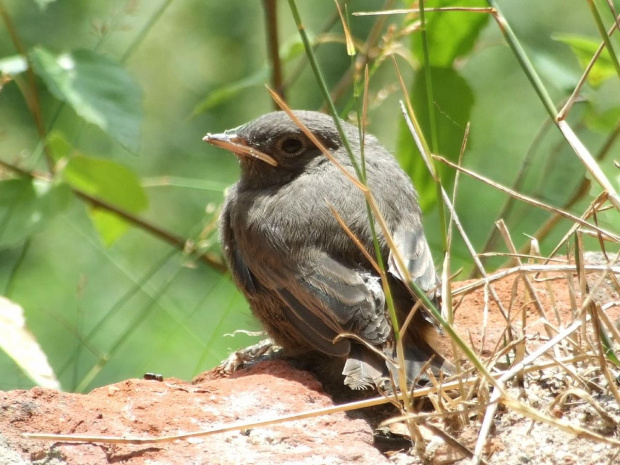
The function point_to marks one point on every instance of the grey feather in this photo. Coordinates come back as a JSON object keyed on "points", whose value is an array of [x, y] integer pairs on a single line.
{"points": [[304, 278]]}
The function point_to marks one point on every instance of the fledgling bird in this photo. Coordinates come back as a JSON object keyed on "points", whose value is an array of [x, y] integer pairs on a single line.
{"points": [[304, 277]]}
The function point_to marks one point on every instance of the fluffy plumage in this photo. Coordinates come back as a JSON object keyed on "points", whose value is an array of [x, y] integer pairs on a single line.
{"points": [[303, 276]]}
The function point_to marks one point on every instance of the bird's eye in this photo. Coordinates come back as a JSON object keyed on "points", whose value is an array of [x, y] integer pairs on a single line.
{"points": [[292, 145]]}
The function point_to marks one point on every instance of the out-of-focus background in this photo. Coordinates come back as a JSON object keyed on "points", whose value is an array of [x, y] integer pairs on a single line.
{"points": [[123, 91]]}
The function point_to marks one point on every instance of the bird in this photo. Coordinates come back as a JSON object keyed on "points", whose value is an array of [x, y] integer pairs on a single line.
{"points": [[305, 278]]}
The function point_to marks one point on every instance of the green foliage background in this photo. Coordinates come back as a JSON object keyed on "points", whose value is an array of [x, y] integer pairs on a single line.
{"points": [[127, 89]]}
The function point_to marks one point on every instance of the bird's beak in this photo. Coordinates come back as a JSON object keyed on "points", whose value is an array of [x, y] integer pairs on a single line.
{"points": [[238, 146]]}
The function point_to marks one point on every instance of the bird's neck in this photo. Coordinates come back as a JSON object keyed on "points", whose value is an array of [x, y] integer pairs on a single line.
{"points": [[256, 174]]}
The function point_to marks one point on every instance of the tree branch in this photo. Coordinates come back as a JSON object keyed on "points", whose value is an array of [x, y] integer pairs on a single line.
{"points": [[181, 243]]}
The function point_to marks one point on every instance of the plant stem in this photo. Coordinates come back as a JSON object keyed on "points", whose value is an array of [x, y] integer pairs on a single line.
{"points": [[271, 20], [30, 92], [157, 231], [430, 101]]}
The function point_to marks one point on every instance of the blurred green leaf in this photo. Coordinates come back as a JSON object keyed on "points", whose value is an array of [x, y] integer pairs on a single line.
{"points": [[228, 91], [97, 88], [450, 35], [293, 47], [452, 110], [602, 122], [107, 180], [609, 348], [58, 146], [111, 182], [289, 50], [43, 3], [555, 72], [584, 49], [109, 225], [26, 205], [13, 65]]}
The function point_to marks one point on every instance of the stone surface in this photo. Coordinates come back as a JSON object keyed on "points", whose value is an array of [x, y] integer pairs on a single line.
{"points": [[142, 408], [270, 389]]}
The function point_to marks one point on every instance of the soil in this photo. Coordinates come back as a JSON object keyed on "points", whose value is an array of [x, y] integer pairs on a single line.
{"points": [[578, 394]]}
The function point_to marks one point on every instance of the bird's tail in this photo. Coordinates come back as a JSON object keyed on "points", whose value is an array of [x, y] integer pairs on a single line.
{"points": [[418, 362], [365, 369]]}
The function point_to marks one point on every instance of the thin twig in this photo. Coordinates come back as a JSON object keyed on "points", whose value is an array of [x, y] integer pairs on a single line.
{"points": [[180, 243], [273, 47], [31, 93], [582, 80], [525, 198]]}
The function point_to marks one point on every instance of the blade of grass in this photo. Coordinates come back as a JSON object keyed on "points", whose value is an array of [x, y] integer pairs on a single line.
{"points": [[524, 198], [539, 88], [379, 259], [130, 328], [518, 182], [362, 59], [582, 80], [591, 165], [430, 101], [501, 226], [578, 147], [396, 11], [523, 60], [418, 137], [133, 46], [341, 133], [601, 29]]}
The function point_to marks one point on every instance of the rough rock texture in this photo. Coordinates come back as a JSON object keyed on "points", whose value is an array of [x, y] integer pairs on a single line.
{"points": [[274, 388], [152, 408]]}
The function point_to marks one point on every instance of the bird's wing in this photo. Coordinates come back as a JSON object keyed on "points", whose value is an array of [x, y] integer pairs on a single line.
{"points": [[240, 271], [417, 259], [330, 298]]}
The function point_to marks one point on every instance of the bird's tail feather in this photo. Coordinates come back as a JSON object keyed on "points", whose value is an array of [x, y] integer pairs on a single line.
{"points": [[417, 363], [365, 369]]}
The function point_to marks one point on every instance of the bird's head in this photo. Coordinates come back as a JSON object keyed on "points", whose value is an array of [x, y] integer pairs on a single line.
{"points": [[272, 149]]}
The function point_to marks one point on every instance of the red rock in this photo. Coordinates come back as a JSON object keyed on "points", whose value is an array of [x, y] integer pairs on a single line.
{"points": [[151, 408]]}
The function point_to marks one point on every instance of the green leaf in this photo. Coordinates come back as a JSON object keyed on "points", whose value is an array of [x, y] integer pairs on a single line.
{"points": [[450, 34], [584, 49], [43, 3], [555, 71], [109, 181], [228, 91], [289, 50], [13, 65], [26, 205], [109, 225], [97, 88], [59, 146], [293, 47], [452, 112], [609, 348], [602, 122]]}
